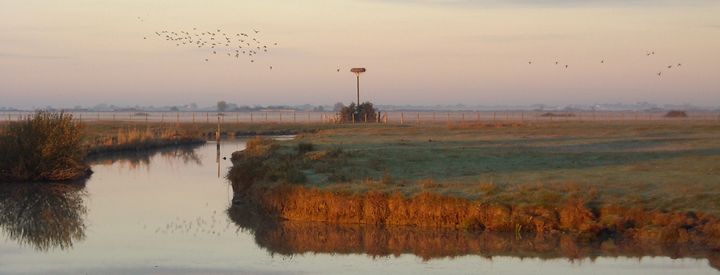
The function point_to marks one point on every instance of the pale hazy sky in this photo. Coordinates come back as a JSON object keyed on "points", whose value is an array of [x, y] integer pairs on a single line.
{"points": [[421, 52]]}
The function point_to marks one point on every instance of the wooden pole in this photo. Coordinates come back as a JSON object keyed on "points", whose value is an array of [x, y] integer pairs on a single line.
{"points": [[358, 89], [402, 117], [217, 133]]}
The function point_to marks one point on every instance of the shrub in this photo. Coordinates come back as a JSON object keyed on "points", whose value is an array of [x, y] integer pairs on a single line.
{"points": [[46, 147], [557, 115], [260, 147], [304, 147], [387, 179], [359, 113], [675, 113]]}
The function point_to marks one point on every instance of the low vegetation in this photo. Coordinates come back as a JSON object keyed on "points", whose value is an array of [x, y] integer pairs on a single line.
{"points": [[46, 147]]}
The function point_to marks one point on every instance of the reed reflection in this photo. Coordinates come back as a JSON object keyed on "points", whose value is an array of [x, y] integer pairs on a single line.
{"points": [[293, 237], [134, 160], [43, 216]]}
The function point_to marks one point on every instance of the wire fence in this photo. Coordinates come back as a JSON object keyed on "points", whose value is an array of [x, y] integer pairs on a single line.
{"points": [[394, 117]]}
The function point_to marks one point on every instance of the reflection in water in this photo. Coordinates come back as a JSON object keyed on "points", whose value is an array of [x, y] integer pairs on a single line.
{"points": [[292, 237], [43, 216], [139, 159]]}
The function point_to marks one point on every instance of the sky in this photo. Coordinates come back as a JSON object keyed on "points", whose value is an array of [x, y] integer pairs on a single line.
{"points": [[417, 52]]}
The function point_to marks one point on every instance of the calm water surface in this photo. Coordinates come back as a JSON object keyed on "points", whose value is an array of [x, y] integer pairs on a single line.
{"points": [[167, 212]]}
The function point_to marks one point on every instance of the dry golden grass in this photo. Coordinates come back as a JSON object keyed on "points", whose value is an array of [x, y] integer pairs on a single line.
{"points": [[669, 166]]}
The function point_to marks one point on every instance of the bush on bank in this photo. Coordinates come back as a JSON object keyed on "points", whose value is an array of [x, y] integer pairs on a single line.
{"points": [[44, 147]]}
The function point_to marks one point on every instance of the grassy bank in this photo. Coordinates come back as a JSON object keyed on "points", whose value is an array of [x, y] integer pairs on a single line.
{"points": [[631, 179], [227, 129], [661, 166], [118, 138]]}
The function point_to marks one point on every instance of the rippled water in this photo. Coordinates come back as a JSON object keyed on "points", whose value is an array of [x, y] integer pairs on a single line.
{"points": [[170, 212]]}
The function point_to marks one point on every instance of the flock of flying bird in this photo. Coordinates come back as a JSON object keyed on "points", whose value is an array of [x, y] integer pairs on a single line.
{"points": [[247, 45], [219, 42], [649, 53]]}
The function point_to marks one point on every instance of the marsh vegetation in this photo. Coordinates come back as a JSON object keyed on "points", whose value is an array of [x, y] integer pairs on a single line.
{"points": [[46, 147]]}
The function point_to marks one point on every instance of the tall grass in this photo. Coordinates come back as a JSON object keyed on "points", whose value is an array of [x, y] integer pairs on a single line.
{"points": [[132, 139], [45, 147]]}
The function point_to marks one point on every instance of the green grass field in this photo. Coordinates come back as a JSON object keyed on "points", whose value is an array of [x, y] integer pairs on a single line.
{"points": [[672, 166]]}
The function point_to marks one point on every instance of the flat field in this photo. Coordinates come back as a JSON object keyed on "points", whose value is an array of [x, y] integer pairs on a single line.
{"points": [[663, 166]]}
